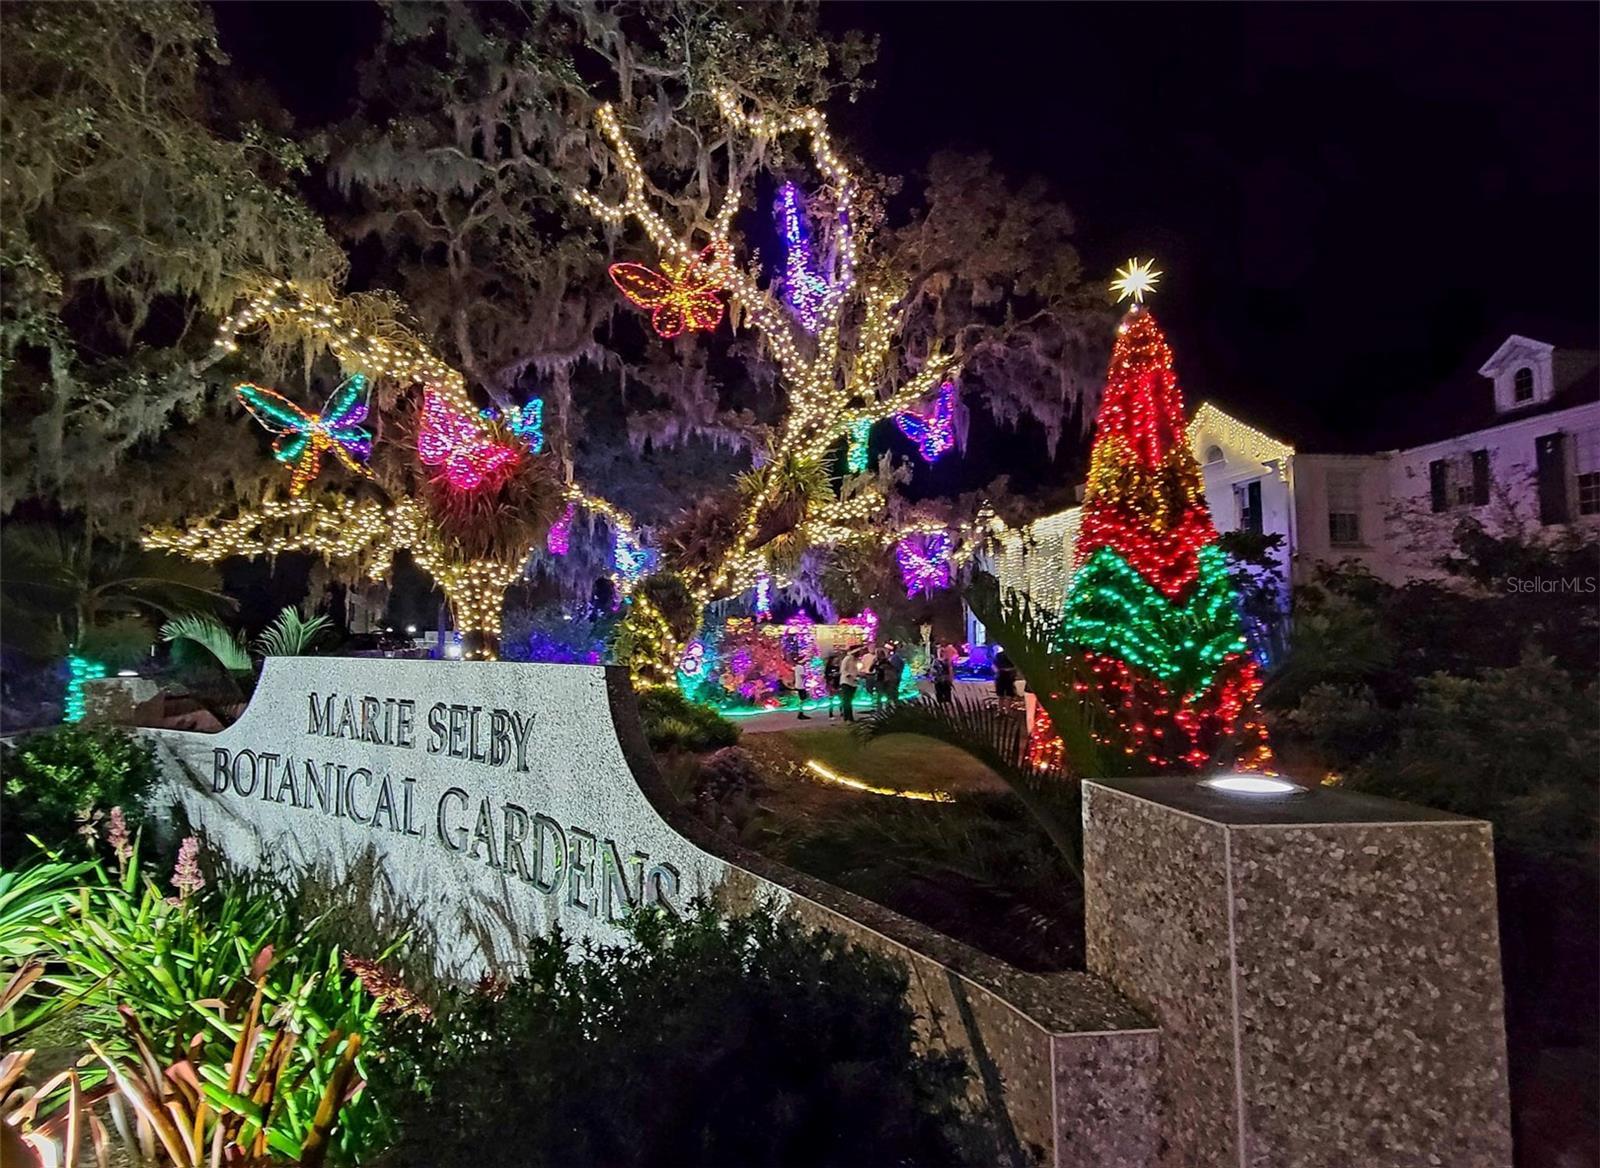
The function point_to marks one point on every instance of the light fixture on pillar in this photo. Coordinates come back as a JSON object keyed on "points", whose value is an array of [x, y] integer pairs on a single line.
{"points": [[1253, 785]]}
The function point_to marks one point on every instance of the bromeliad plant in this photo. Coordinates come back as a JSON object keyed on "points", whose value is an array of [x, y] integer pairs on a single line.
{"points": [[193, 1110], [117, 946]]}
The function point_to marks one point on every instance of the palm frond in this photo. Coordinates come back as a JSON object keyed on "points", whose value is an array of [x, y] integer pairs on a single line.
{"points": [[211, 635], [998, 739], [290, 634], [1062, 682]]}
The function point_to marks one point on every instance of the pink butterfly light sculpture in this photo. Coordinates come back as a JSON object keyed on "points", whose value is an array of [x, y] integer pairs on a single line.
{"points": [[452, 440]]}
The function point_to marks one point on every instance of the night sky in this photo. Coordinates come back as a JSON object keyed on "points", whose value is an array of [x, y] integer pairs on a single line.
{"points": [[1352, 203]]}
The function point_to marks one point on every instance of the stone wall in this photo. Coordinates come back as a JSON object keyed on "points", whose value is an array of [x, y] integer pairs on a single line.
{"points": [[440, 792], [1325, 970]]}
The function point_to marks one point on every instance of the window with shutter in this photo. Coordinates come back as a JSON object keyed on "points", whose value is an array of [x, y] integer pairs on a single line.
{"points": [[1344, 508], [1480, 478], [1586, 465], [1247, 497], [1551, 454], [1439, 483]]}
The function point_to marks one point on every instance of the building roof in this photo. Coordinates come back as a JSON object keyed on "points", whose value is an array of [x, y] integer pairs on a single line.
{"points": [[1464, 400]]}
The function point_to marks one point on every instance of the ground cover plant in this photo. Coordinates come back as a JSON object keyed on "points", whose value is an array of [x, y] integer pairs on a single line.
{"points": [[138, 971], [673, 721]]}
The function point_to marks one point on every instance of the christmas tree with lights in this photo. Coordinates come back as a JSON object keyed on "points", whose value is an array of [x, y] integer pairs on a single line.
{"points": [[1151, 610]]}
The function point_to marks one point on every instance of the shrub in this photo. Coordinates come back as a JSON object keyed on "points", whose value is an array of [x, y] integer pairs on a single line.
{"points": [[1516, 746], [703, 1042], [672, 721], [62, 781]]}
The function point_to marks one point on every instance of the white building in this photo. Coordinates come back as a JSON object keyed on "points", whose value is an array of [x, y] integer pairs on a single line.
{"points": [[1531, 462]]}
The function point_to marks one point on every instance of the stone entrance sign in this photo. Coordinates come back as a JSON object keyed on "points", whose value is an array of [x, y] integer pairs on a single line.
{"points": [[489, 801], [507, 804], [1323, 969]]}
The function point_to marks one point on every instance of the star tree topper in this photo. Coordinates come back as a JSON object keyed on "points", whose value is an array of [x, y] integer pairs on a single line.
{"points": [[1135, 279]]}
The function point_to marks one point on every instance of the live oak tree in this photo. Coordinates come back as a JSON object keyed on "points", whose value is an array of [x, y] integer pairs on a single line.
{"points": [[138, 193], [454, 176]]}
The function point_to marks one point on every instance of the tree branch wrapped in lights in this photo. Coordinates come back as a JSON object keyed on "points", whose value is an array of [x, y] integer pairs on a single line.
{"points": [[830, 335], [463, 490]]}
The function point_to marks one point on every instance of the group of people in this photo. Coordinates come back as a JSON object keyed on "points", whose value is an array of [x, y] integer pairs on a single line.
{"points": [[877, 673]]}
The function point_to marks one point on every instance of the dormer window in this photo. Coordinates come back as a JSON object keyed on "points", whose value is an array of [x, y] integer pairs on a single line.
{"points": [[1522, 385], [1522, 372], [1214, 455]]}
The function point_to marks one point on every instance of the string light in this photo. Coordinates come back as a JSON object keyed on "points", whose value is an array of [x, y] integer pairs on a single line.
{"points": [[303, 438], [1210, 422], [629, 558], [526, 422], [856, 453], [823, 403], [924, 561], [803, 289], [933, 432], [827, 774], [398, 355], [79, 670], [682, 298], [559, 538]]}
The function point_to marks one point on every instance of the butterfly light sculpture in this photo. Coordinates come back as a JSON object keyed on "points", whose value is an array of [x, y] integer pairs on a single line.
{"points": [[526, 422], [924, 562], [302, 439], [805, 291], [682, 298], [560, 537], [458, 444], [934, 433]]}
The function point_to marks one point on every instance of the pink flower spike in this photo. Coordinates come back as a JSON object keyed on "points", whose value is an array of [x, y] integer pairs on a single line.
{"points": [[186, 875], [117, 837]]}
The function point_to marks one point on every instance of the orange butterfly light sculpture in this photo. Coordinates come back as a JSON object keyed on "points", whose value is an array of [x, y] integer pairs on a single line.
{"points": [[681, 298]]}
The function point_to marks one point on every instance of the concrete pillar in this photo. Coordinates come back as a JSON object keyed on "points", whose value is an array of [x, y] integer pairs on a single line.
{"points": [[1324, 968]]}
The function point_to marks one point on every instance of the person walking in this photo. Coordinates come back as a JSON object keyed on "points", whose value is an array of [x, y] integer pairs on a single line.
{"points": [[944, 676], [849, 676], [830, 679], [800, 691], [1005, 676], [867, 672], [894, 675]]}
